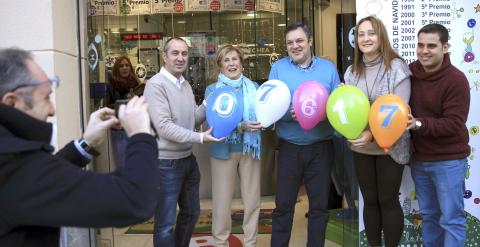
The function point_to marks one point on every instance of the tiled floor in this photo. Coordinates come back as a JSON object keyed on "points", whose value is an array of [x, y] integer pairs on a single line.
{"points": [[299, 232]]}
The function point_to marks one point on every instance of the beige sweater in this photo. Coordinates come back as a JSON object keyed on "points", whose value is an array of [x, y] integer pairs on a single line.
{"points": [[175, 115]]}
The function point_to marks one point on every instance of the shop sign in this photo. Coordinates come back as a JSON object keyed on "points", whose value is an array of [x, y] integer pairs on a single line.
{"points": [[249, 6], [276, 6], [135, 7], [215, 5], [141, 36], [178, 7], [102, 7], [236, 5], [167, 6]]}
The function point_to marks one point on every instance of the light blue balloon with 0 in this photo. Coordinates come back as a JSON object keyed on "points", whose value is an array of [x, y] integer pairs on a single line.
{"points": [[224, 110]]}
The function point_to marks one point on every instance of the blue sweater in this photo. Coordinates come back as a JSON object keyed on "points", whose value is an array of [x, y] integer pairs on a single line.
{"points": [[322, 71], [221, 150]]}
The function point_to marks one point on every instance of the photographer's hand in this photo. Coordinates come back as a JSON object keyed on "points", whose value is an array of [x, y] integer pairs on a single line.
{"points": [[134, 116], [99, 122]]}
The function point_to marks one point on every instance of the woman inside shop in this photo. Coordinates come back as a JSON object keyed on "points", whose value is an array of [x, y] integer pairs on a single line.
{"points": [[123, 85], [379, 70], [238, 154]]}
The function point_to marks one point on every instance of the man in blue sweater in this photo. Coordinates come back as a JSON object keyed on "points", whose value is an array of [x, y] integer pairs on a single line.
{"points": [[304, 155]]}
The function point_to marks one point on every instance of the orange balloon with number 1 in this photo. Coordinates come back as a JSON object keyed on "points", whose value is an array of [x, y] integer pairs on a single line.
{"points": [[388, 120]]}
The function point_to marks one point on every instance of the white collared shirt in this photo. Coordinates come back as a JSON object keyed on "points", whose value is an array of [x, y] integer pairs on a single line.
{"points": [[177, 81]]}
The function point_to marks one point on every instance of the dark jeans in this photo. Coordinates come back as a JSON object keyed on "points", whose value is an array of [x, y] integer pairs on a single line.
{"points": [[178, 182], [379, 177], [313, 164], [119, 140]]}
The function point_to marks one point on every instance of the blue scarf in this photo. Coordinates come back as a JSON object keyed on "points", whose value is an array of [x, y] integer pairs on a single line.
{"points": [[251, 140]]}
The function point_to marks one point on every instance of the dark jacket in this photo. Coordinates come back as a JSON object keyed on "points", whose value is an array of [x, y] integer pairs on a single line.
{"points": [[441, 100], [39, 192]]}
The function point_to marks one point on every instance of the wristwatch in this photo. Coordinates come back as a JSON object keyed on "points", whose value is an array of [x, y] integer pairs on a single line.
{"points": [[418, 124], [90, 150]]}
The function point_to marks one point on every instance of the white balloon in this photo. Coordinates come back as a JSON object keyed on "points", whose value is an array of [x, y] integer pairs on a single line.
{"points": [[272, 101]]}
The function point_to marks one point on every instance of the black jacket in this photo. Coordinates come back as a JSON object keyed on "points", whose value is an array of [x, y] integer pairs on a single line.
{"points": [[39, 192]]}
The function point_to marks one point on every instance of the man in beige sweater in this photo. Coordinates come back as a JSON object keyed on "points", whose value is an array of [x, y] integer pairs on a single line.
{"points": [[175, 115]]}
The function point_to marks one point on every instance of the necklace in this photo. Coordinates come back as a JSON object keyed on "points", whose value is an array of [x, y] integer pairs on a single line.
{"points": [[370, 91], [376, 61]]}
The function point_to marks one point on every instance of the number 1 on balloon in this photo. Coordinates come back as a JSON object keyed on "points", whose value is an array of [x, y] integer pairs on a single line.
{"points": [[339, 107]]}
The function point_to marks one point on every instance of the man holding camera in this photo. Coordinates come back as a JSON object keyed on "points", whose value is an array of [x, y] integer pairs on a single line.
{"points": [[39, 191]]}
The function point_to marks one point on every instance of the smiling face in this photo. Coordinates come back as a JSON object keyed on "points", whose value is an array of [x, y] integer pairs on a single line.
{"points": [[176, 57], [367, 40], [298, 47], [430, 51], [231, 65]]}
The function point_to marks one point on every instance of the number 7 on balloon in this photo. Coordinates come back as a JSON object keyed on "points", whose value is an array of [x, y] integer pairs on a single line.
{"points": [[392, 109], [265, 95]]}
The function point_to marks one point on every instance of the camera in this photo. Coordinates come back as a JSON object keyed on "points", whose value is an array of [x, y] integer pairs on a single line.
{"points": [[118, 103]]}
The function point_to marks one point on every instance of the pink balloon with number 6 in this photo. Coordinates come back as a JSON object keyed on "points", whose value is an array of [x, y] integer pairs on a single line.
{"points": [[309, 103]]}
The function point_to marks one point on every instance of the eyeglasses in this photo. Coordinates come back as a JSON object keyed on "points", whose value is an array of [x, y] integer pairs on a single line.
{"points": [[54, 81]]}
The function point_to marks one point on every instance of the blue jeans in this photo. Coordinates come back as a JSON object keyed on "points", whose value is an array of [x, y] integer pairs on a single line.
{"points": [[179, 181], [311, 164], [440, 187]]}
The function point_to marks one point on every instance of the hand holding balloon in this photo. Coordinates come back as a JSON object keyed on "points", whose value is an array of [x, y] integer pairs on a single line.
{"points": [[365, 138], [292, 112], [250, 126], [207, 137], [411, 122]]}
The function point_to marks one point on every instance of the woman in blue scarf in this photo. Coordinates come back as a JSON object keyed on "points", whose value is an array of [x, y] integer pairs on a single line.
{"points": [[238, 153]]}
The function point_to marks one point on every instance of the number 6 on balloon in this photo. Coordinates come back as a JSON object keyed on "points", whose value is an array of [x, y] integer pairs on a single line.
{"points": [[309, 103]]}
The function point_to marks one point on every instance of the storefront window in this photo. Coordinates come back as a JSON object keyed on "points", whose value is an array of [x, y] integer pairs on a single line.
{"points": [[259, 34]]}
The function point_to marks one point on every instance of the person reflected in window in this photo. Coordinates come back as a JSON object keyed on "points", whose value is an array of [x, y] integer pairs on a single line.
{"points": [[379, 70], [238, 155]]}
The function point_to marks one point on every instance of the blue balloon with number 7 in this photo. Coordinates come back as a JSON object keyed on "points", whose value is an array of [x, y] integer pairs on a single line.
{"points": [[224, 110]]}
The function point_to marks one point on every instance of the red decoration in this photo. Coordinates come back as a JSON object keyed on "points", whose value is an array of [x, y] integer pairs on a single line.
{"points": [[178, 7], [215, 5], [249, 6]]}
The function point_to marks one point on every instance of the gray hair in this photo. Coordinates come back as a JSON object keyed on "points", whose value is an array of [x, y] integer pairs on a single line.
{"points": [[167, 43], [13, 69]]}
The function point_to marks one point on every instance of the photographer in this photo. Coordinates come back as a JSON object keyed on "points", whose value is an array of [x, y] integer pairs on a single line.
{"points": [[39, 191]]}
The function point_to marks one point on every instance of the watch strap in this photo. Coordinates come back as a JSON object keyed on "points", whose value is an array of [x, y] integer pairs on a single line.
{"points": [[90, 150]]}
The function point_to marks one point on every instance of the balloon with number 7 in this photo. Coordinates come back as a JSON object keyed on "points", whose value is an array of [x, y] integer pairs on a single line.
{"points": [[347, 111], [272, 101], [388, 120]]}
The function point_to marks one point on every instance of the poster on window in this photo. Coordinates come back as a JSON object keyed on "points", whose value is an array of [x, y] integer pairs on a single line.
{"points": [[168, 6], [135, 7], [233, 5], [403, 19], [275, 6], [102, 7], [197, 5]]}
